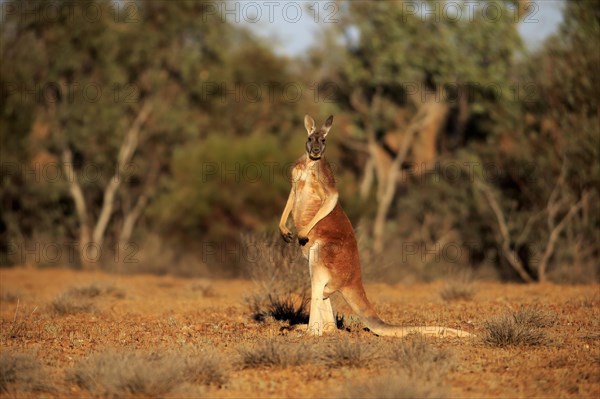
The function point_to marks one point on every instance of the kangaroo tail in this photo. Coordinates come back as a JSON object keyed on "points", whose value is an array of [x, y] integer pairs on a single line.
{"points": [[357, 299]]}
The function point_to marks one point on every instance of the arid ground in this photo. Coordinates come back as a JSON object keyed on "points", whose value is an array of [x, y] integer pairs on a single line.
{"points": [[78, 334]]}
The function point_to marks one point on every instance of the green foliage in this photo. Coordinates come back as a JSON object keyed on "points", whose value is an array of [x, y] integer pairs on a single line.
{"points": [[81, 87], [238, 182], [396, 52], [86, 81], [403, 46], [557, 133]]}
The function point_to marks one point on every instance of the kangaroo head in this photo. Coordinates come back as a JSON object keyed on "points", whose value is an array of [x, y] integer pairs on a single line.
{"points": [[315, 144]]}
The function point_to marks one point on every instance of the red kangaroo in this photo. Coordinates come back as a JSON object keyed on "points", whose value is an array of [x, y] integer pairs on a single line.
{"points": [[328, 242]]}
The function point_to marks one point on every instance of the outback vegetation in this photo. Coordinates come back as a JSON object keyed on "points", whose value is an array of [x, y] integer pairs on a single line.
{"points": [[137, 153], [145, 156]]}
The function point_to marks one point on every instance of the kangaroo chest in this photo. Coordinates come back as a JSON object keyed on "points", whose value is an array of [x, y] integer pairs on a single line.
{"points": [[308, 180]]}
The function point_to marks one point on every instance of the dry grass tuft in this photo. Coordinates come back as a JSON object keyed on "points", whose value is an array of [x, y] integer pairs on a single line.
{"points": [[9, 297], [534, 317], [67, 304], [420, 373], [205, 290], [516, 329], [97, 289], [339, 353], [18, 324], [458, 291], [396, 386], [588, 301], [118, 374], [81, 299], [205, 368], [282, 308], [344, 353], [459, 287], [280, 275], [258, 308], [273, 353], [418, 358], [22, 372]]}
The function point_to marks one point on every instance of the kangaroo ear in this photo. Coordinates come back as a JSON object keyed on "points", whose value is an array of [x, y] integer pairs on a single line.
{"points": [[309, 124], [327, 125]]}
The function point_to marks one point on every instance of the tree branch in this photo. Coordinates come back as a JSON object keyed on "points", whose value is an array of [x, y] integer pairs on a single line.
{"points": [[554, 234], [367, 180], [508, 253], [132, 217], [77, 195], [387, 194], [128, 147], [527, 229], [553, 204]]}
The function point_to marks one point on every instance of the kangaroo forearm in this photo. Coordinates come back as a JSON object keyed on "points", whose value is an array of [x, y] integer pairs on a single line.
{"points": [[284, 216], [288, 209]]}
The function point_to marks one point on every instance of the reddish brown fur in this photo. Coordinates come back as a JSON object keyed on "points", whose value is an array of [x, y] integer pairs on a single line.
{"points": [[338, 249]]}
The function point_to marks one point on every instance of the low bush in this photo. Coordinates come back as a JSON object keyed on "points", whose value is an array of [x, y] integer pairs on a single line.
{"points": [[274, 353], [521, 328], [118, 374], [21, 372]]}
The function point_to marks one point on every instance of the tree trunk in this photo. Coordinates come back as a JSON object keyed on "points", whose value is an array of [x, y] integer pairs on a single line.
{"points": [[367, 180], [85, 233], [510, 255], [554, 234], [92, 240], [132, 216], [427, 121], [126, 151]]}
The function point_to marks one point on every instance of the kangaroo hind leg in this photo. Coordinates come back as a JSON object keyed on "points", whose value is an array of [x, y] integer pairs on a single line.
{"points": [[321, 318]]}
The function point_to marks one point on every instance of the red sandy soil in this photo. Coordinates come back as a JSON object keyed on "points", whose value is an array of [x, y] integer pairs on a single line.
{"points": [[167, 313]]}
